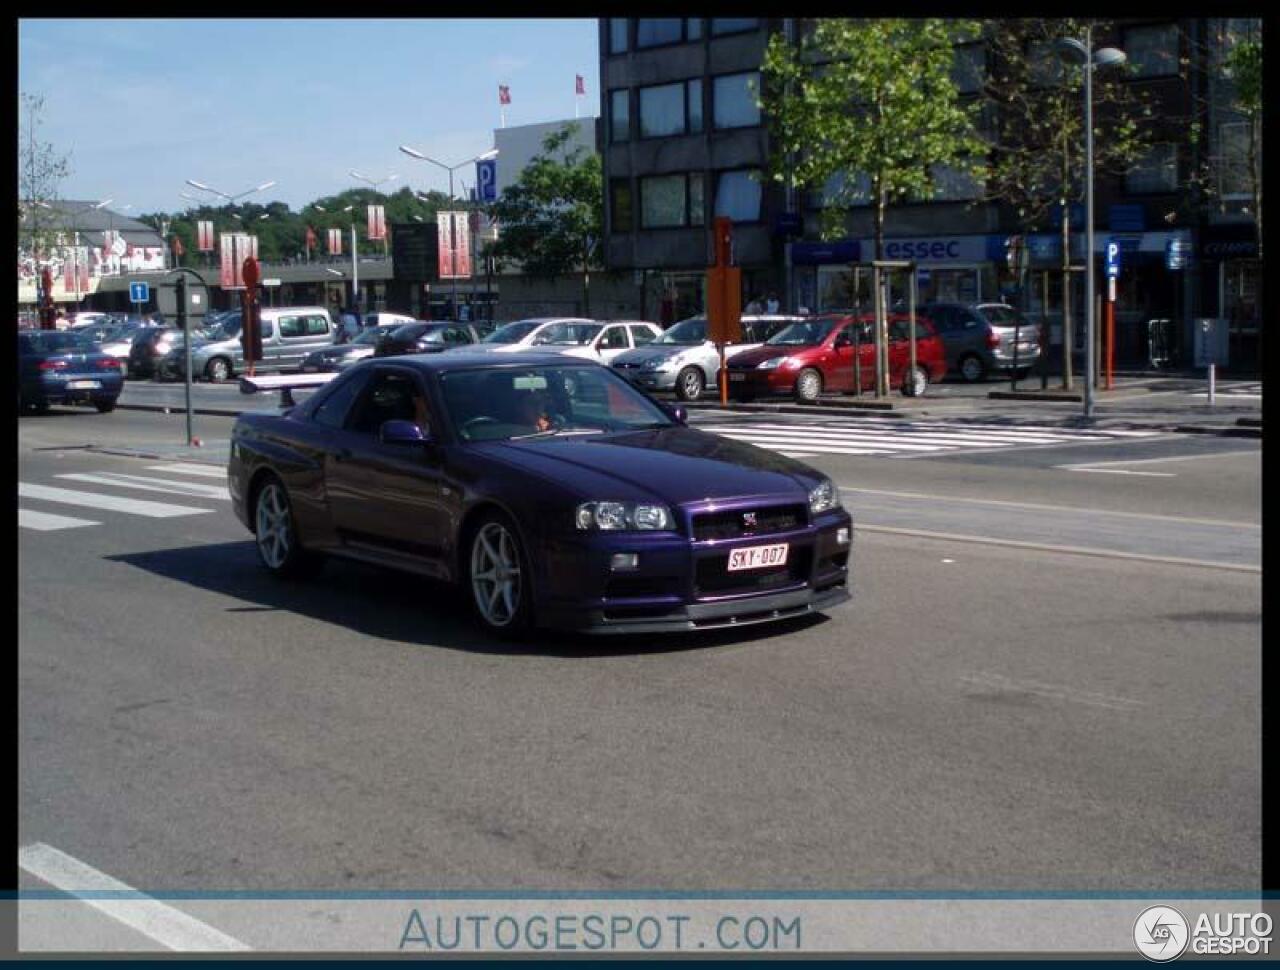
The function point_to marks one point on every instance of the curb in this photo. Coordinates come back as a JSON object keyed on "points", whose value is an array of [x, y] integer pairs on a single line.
{"points": [[153, 455], [166, 409]]}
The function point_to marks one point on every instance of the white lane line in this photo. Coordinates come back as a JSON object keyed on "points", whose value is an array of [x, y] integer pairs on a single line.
{"points": [[1051, 691], [185, 468], [914, 432], [1050, 547], [193, 489], [113, 503], [1152, 461], [1119, 471], [800, 454], [159, 921], [1100, 433], [1049, 508], [48, 522]]}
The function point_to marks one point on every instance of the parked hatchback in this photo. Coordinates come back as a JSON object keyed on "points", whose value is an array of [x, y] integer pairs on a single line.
{"points": [[817, 354], [289, 334], [148, 349], [979, 338], [425, 337]]}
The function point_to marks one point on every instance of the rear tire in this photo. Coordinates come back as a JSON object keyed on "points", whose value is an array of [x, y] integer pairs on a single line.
{"points": [[690, 383], [917, 386], [971, 368], [106, 406], [276, 534], [808, 386]]}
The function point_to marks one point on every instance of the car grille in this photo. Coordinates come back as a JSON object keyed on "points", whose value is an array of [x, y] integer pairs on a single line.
{"points": [[627, 366], [730, 524], [712, 576]]}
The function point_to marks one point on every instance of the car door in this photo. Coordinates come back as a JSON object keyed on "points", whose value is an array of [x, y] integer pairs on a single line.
{"points": [[838, 366], [611, 342], [387, 500]]}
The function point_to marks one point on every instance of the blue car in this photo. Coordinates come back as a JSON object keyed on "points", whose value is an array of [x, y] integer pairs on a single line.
{"points": [[64, 367], [549, 489]]}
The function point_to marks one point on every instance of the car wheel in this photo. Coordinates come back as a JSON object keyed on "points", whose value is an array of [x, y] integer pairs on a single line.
{"points": [[808, 386], [690, 383], [915, 382], [105, 405], [218, 369], [972, 368], [498, 575], [275, 534]]}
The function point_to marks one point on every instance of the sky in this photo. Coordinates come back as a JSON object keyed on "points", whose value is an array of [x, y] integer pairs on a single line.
{"points": [[142, 105]]}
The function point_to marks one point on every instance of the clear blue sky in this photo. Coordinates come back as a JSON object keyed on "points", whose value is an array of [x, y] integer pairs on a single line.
{"points": [[143, 105]]}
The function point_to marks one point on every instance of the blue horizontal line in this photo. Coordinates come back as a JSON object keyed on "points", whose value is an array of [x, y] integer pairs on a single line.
{"points": [[627, 895]]}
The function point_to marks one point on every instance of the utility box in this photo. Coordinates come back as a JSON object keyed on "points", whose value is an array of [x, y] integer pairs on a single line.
{"points": [[1211, 341]]}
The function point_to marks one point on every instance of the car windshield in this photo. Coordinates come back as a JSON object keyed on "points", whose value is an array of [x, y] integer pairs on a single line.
{"points": [[488, 404], [512, 333], [686, 333], [806, 334], [57, 342], [569, 333], [372, 335], [223, 329], [1002, 316], [433, 334]]}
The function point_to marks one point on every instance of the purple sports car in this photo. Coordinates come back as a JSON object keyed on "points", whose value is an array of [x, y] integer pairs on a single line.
{"points": [[552, 491]]}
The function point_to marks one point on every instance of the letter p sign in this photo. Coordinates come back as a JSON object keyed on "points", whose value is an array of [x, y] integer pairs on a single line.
{"points": [[1113, 259]]}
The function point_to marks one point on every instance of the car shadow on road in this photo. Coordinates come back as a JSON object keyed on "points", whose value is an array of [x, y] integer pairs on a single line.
{"points": [[408, 609]]}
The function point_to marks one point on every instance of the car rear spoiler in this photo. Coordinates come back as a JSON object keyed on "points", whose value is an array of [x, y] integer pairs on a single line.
{"points": [[285, 384]]}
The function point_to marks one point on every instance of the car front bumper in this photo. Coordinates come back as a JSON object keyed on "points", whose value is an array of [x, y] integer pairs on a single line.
{"points": [[761, 383], [649, 380]]}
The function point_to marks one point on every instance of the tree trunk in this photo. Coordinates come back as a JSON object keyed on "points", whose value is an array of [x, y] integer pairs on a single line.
{"points": [[586, 288]]}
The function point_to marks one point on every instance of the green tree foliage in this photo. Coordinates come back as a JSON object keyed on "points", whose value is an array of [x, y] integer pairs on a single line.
{"points": [[550, 220], [41, 169], [1244, 66], [867, 97]]}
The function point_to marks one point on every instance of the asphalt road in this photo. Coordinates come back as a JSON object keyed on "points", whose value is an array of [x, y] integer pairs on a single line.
{"points": [[996, 710]]}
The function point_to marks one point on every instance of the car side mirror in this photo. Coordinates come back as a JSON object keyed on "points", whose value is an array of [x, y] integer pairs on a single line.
{"points": [[402, 433], [679, 413]]}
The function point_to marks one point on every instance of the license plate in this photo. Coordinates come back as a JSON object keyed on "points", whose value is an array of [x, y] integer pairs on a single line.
{"points": [[757, 557], [82, 385], [737, 376]]}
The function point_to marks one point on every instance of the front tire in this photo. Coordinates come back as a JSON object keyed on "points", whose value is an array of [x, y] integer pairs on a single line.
{"points": [[105, 406], [218, 369], [915, 382], [275, 534], [808, 386], [498, 576], [690, 383]]}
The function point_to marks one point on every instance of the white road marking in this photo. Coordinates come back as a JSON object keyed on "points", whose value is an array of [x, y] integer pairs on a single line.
{"points": [[928, 433], [187, 468], [47, 522], [1152, 461], [113, 503], [193, 489], [1119, 471], [799, 454], [159, 921]]}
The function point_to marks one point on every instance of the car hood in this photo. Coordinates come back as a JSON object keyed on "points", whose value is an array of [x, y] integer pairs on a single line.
{"points": [[677, 465], [343, 350], [751, 358]]}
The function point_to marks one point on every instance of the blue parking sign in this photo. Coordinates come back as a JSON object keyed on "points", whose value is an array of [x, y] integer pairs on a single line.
{"points": [[487, 179], [1113, 258], [139, 292]]}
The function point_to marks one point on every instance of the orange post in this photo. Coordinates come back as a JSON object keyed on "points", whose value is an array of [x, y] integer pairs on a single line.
{"points": [[724, 298], [1110, 325]]}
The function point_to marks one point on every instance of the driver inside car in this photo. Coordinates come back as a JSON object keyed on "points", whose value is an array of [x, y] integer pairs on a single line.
{"points": [[534, 409]]}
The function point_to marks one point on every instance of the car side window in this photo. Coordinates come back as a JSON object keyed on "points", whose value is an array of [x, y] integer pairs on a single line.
{"points": [[333, 410], [613, 338], [268, 329], [457, 335], [317, 326], [292, 327], [390, 396], [844, 338], [641, 336]]}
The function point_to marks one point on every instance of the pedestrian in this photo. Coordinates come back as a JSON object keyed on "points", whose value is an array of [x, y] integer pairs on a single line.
{"points": [[755, 306], [772, 306]]}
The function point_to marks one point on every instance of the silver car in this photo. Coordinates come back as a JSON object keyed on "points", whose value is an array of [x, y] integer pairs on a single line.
{"points": [[341, 356], [520, 335], [289, 334], [684, 360], [979, 338]]}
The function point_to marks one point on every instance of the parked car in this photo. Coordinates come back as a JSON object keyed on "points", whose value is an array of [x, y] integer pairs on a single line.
{"points": [[521, 334], [342, 356], [684, 360], [817, 354], [381, 318], [549, 489], [288, 335], [978, 338], [148, 348], [65, 368], [425, 337], [597, 341], [119, 341], [85, 318]]}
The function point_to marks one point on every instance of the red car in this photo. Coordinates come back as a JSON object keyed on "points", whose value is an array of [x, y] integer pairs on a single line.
{"points": [[816, 355]]}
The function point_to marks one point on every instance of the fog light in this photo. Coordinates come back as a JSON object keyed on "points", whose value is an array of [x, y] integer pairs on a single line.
{"points": [[842, 535], [624, 560]]}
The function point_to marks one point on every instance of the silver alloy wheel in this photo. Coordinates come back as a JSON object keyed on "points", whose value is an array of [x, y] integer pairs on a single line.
{"points": [[219, 369], [809, 385], [495, 574], [691, 384], [971, 368], [916, 382], [274, 529]]}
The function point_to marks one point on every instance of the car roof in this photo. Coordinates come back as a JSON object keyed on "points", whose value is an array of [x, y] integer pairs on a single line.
{"points": [[462, 358]]}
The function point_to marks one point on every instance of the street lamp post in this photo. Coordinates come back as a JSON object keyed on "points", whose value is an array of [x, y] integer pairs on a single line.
{"points": [[453, 250], [1075, 52], [355, 264], [233, 199]]}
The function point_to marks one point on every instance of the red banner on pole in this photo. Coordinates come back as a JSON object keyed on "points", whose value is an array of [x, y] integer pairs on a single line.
{"points": [[377, 223], [454, 237], [204, 236], [335, 242], [580, 85], [311, 238], [504, 94]]}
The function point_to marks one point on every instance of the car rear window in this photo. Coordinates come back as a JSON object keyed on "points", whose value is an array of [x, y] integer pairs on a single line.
{"points": [[1002, 316]]}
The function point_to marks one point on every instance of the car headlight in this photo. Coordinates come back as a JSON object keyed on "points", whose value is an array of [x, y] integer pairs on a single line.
{"points": [[657, 363], [618, 516], [774, 362], [824, 498]]}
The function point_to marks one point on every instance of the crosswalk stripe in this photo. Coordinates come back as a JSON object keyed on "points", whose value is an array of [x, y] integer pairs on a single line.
{"points": [[778, 438], [48, 522], [882, 423], [193, 489], [912, 433], [113, 503], [185, 468]]}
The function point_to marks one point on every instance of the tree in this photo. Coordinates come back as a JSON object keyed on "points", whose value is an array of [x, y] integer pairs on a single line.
{"points": [[41, 169], [1244, 66], [551, 218]]}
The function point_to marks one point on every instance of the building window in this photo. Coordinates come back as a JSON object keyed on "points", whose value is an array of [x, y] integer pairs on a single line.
{"points": [[969, 69], [1155, 171], [952, 184], [619, 115], [617, 35], [1234, 184], [671, 109], [668, 201], [1153, 51], [738, 195], [733, 103], [693, 28], [830, 193], [658, 31], [620, 205], [733, 25]]}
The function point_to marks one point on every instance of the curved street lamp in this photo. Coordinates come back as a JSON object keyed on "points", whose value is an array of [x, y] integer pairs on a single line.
{"points": [[1080, 53]]}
